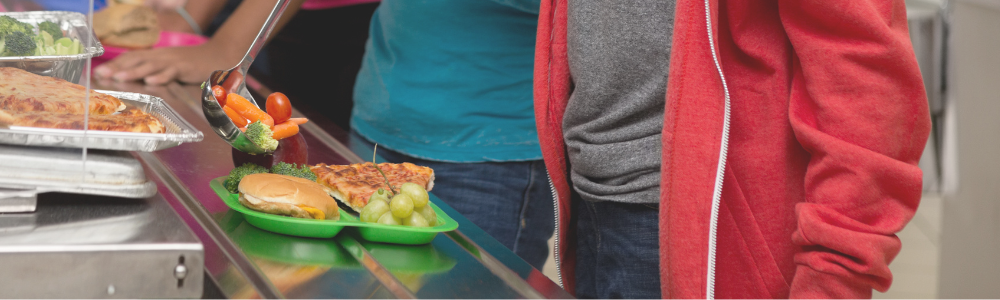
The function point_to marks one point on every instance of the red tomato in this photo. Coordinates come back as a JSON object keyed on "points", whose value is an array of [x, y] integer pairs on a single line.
{"points": [[220, 94], [278, 107]]}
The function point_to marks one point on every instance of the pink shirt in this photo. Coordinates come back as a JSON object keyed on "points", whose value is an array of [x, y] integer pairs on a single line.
{"points": [[325, 4]]}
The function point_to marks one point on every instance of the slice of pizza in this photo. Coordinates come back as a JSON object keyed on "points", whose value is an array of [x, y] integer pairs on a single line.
{"points": [[354, 184], [131, 120], [23, 91]]}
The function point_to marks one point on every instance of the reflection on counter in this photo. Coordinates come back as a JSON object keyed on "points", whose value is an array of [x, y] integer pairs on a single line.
{"points": [[292, 262]]}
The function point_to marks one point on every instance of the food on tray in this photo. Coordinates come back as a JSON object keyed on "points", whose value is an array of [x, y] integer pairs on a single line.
{"points": [[401, 209], [416, 192], [232, 182], [127, 26], [287, 196], [388, 219], [259, 134], [22, 91], [21, 39], [131, 120], [374, 210], [281, 168], [428, 213], [354, 184], [303, 171], [416, 220], [401, 206]]}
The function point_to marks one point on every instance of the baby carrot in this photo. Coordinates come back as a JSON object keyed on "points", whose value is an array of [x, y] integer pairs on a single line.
{"points": [[298, 121], [239, 120], [286, 129], [248, 110]]}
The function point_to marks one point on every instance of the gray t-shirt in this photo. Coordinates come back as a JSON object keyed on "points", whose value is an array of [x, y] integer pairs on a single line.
{"points": [[619, 54]]}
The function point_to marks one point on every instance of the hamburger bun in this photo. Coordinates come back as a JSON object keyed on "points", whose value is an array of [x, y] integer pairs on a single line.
{"points": [[287, 196], [127, 25]]}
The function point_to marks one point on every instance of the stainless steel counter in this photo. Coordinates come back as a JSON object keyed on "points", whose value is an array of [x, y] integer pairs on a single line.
{"points": [[77, 246], [244, 261]]}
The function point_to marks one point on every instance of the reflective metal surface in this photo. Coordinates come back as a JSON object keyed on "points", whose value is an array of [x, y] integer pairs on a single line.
{"points": [[79, 246], [463, 264], [68, 67], [16, 201], [233, 81], [43, 169]]}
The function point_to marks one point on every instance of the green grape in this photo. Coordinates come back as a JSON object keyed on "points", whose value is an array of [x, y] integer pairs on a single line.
{"points": [[401, 206], [388, 219], [416, 192], [374, 210], [381, 195], [415, 220], [428, 212]]}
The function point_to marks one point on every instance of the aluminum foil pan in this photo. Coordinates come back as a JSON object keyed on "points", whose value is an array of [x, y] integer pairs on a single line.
{"points": [[42, 169], [68, 67], [178, 131]]}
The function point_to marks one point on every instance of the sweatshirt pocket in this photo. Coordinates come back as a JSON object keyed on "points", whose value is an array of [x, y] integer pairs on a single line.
{"points": [[750, 257]]}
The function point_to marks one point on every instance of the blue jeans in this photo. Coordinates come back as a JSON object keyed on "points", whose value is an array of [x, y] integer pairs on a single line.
{"points": [[618, 252], [511, 201]]}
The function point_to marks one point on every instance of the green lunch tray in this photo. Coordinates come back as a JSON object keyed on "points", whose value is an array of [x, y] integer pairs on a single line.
{"points": [[375, 232]]}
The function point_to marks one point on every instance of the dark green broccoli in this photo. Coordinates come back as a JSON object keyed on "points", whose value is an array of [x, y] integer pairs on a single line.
{"points": [[260, 134], [10, 25], [52, 28], [233, 180], [18, 44], [284, 168]]}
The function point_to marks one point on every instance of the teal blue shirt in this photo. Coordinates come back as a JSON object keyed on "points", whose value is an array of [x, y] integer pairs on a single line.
{"points": [[450, 80]]}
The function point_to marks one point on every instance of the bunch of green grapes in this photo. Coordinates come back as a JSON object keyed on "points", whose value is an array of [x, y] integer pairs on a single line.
{"points": [[408, 208]]}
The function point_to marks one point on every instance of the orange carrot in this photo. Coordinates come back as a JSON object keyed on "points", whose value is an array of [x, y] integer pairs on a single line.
{"points": [[299, 121], [286, 129], [239, 120], [248, 110]]}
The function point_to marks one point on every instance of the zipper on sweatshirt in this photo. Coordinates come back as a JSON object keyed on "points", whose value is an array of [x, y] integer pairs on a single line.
{"points": [[555, 244], [721, 167]]}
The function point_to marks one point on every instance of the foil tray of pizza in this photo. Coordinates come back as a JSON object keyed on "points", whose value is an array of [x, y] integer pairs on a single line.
{"points": [[176, 130], [69, 67], [47, 169]]}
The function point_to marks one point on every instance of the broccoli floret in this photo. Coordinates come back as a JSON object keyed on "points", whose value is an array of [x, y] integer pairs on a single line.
{"points": [[233, 180], [52, 28], [284, 168], [259, 134], [10, 25], [18, 44]]}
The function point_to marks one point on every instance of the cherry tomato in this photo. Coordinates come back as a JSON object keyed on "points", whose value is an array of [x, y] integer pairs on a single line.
{"points": [[220, 94], [278, 107]]}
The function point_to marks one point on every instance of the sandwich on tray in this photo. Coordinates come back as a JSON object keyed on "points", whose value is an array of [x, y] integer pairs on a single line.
{"points": [[287, 196]]}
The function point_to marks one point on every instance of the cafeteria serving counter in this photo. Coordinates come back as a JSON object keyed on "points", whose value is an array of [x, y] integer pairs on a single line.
{"points": [[242, 261]]}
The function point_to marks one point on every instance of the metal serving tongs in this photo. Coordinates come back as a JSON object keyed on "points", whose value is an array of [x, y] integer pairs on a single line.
{"points": [[234, 81]]}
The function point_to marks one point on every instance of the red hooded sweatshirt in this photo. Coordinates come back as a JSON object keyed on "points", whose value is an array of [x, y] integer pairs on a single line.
{"points": [[790, 146]]}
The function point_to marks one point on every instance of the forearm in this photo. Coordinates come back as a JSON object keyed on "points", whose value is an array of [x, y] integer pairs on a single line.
{"points": [[204, 11], [238, 32]]}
